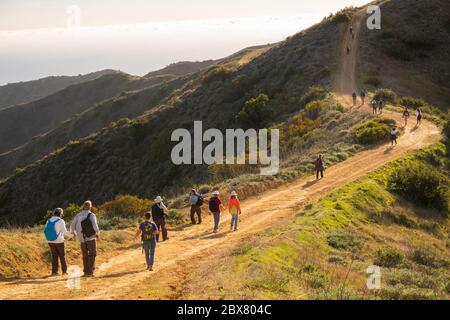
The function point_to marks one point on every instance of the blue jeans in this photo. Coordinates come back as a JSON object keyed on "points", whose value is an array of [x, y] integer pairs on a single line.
{"points": [[216, 216], [149, 250], [234, 221]]}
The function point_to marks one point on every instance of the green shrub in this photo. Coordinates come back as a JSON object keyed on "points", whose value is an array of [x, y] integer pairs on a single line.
{"points": [[314, 93], [314, 108], [256, 112], [217, 73], [317, 280], [428, 259], [388, 258], [342, 16], [175, 217], [373, 131], [411, 102], [385, 94], [340, 239], [420, 183], [126, 206]]}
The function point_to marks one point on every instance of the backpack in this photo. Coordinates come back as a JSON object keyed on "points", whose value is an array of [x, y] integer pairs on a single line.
{"points": [[157, 212], [50, 230], [147, 231], [319, 164], [200, 201], [87, 228], [213, 205]]}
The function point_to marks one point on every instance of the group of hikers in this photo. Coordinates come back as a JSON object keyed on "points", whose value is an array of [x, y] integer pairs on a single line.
{"points": [[352, 34], [85, 227], [406, 116], [362, 96], [377, 106]]}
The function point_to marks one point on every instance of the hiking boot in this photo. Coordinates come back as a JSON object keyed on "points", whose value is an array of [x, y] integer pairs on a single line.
{"points": [[215, 231], [150, 268], [54, 275]]}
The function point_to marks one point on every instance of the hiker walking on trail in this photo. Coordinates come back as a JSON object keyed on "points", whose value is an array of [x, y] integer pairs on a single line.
{"points": [[418, 116], [351, 32], [354, 98], [362, 95], [214, 206], [374, 104], [55, 230], [348, 50], [196, 202], [234, 208], [85, 226], [159, 213], [319, 167], [148, 231], [380, 106], [406, 115], [393, 135]]}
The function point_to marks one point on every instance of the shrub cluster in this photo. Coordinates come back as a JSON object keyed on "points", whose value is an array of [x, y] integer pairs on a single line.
{"points": [[373, 131], [256, 112], [420, 183]]}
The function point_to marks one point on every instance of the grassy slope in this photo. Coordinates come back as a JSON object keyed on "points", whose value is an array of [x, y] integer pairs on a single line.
{"points": [[325, 252], [80, 110], [123, 157], [25, 253], [19, 124], [413, 50], [24, 92]]}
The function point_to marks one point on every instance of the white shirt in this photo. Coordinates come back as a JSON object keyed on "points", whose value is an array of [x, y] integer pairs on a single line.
{"points": [[75, 227], [60, 228]]}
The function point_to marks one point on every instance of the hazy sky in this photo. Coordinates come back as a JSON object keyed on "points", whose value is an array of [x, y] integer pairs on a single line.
{"points": [[55, 37]]}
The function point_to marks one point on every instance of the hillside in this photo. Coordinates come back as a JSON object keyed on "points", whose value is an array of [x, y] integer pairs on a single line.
{"points": [[413, 44], [27, 91], [122, 159], [299, 237], [181, 68], [19, 124], [324, 250], [158, 89]]}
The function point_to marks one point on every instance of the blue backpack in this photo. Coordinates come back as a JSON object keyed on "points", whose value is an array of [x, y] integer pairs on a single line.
{"points": [[50, 231]]}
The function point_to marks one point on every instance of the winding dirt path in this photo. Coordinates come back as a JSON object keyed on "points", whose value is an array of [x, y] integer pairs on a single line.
{"points": [[125, 277]]}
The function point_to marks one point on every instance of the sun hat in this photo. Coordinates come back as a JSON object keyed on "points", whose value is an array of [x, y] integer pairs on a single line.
{"points": [[215, 193], [158, 199], [234, 193]]}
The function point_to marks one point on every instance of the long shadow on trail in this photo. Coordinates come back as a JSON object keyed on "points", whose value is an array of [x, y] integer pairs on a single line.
{"points": [[207, 236], [389, 149], [35, 280], [310, 183]]}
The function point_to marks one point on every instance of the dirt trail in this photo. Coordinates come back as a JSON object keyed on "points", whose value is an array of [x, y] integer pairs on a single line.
{"points": [[125, 277]]}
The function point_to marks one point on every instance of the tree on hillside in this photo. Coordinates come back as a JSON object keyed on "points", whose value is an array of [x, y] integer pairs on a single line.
{"points": [[256, 112]]}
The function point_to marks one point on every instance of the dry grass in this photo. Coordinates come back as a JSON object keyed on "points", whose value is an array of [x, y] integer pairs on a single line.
{"points": [[25, 253]]}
